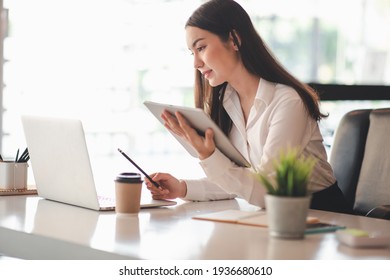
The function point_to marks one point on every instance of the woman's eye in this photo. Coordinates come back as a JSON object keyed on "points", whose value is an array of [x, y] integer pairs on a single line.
{"points": [[199, 49]]}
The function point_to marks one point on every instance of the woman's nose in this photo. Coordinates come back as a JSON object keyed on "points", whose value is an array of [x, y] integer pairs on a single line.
{"points": [[198, 63]]}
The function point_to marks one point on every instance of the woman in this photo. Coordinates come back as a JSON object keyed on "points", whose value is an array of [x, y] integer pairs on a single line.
{"points": [[256, 102]]}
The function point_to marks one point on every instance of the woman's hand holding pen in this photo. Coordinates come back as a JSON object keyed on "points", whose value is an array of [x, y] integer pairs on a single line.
{"points": [[205, 146], [170, 187]]}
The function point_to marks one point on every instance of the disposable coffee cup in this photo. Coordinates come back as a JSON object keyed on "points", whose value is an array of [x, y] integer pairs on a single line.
{"points": [[128, 188], [13, 175]]}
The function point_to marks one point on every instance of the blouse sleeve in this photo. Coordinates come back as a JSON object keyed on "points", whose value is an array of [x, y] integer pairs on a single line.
{"points": [[205, 190], [286, 126], [232, 179]]}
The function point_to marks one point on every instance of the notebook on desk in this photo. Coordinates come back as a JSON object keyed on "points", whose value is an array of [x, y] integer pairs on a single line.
{"points": [[259, 219], [61, 165]]}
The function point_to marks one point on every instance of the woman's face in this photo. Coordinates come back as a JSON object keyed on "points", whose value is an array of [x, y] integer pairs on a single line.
{"points": [[215, 59]]}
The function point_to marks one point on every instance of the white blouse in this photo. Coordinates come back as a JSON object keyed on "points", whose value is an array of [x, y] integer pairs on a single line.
{"points": [[277, 120]]}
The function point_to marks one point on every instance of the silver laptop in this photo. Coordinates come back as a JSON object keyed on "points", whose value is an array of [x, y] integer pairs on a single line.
{"points": [[61, 165]]}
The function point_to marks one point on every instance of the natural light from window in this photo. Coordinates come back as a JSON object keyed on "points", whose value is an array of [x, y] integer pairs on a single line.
{"points": [[99, 60]]}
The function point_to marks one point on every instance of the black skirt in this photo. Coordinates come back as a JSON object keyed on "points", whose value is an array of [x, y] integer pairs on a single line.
{"points": [[331, 199]]}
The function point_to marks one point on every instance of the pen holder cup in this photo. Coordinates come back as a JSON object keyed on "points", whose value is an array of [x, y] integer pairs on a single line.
{"points": [[13, 175], [128, 188]]}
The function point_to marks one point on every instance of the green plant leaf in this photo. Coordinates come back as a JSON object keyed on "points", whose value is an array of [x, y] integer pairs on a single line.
{"points": [[292, 174]]}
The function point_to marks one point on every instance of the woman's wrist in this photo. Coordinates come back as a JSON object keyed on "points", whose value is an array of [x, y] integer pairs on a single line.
{"points": [[205, 155], [183, 189]]}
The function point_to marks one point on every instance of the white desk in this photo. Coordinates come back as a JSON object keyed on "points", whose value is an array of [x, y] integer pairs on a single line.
{"points": [[35, 228]]}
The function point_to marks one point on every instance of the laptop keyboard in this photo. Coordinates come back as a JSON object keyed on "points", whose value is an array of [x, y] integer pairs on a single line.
{"points": [[106, 201]]}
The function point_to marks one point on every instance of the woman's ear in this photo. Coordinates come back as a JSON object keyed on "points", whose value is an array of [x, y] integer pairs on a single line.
{"points": [[235, 39]]}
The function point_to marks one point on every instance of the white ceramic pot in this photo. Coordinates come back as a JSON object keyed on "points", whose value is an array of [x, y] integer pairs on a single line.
{"points": [[287, 215]]}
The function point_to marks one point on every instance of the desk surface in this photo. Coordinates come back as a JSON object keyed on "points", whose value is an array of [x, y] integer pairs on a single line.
{"points": [[35, 228]]}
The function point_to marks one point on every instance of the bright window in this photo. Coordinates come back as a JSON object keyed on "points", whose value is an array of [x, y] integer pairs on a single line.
{"points": [[98, 60]]}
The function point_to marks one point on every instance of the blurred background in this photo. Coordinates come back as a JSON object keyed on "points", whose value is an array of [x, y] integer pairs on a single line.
{"points": [[99, 60]]}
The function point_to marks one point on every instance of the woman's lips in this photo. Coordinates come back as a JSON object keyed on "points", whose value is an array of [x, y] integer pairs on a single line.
{"points": [[207, 73]]}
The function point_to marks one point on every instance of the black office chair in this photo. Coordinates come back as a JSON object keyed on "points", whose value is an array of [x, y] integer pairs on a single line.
{"points": [[381, 212], [360, 157], [348, 149], [373, 187]]}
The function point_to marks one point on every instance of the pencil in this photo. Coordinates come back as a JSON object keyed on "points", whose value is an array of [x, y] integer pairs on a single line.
{"points": [[139, 168], [17, 154], [24, 156]]}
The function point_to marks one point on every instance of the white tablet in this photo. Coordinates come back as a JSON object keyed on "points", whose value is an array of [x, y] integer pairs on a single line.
{"points": [[199, 120]]}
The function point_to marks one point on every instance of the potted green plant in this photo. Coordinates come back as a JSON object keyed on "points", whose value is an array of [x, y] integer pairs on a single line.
{"points": [[288, 199]]}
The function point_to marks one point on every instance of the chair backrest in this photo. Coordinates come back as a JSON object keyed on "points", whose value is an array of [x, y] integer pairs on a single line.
{"points": [[373, 187], [347, 150]]}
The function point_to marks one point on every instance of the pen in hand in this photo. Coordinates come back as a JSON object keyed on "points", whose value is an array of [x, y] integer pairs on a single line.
{"points": [[140, 169]]}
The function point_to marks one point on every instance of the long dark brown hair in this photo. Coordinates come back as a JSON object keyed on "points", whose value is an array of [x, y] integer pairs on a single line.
{"points": [[225, 17]]}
